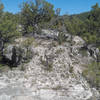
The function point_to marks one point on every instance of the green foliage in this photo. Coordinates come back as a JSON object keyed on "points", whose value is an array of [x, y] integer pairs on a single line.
{"points": [[61, 38], [28, 42], [0, 65], [8, 27], [40, 14], [83, 52], [33, 14], [82, 16], [92, 74], [48, 66], [59, 51], [86, 25], [71, 70], [74, 26]]}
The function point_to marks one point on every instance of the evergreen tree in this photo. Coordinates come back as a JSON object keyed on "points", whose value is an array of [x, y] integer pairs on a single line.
{"points": [[33, 14]]}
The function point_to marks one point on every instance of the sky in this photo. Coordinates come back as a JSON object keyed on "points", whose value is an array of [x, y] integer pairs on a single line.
{"points": [[67, 6]]}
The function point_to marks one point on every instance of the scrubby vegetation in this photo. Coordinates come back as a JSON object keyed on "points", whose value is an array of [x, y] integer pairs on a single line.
{"points": [[40, 14], [92, 74]]}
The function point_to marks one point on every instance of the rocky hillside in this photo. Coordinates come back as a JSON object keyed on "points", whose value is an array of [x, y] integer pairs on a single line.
{"points": [[46, 70]]}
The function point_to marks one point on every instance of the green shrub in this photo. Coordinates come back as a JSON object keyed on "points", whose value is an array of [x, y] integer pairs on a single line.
{"points": [[71, 70], [47, 64], [28, 42], [59, 51], [0, 65], [61, 38], [35, 14], [92, 74], [83, 52]]}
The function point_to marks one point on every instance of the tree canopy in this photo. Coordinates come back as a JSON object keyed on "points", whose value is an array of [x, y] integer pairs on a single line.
{"points": [[35, 14]]}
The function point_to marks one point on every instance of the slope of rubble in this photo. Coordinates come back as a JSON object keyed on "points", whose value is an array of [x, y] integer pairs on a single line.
{"points": [[54, 73]]}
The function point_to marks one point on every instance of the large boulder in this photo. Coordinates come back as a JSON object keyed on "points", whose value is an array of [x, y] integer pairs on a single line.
{"points": [[7, 52], [15, 55], [78, 41], [77, 44], [93, 51], [52, 34]]}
